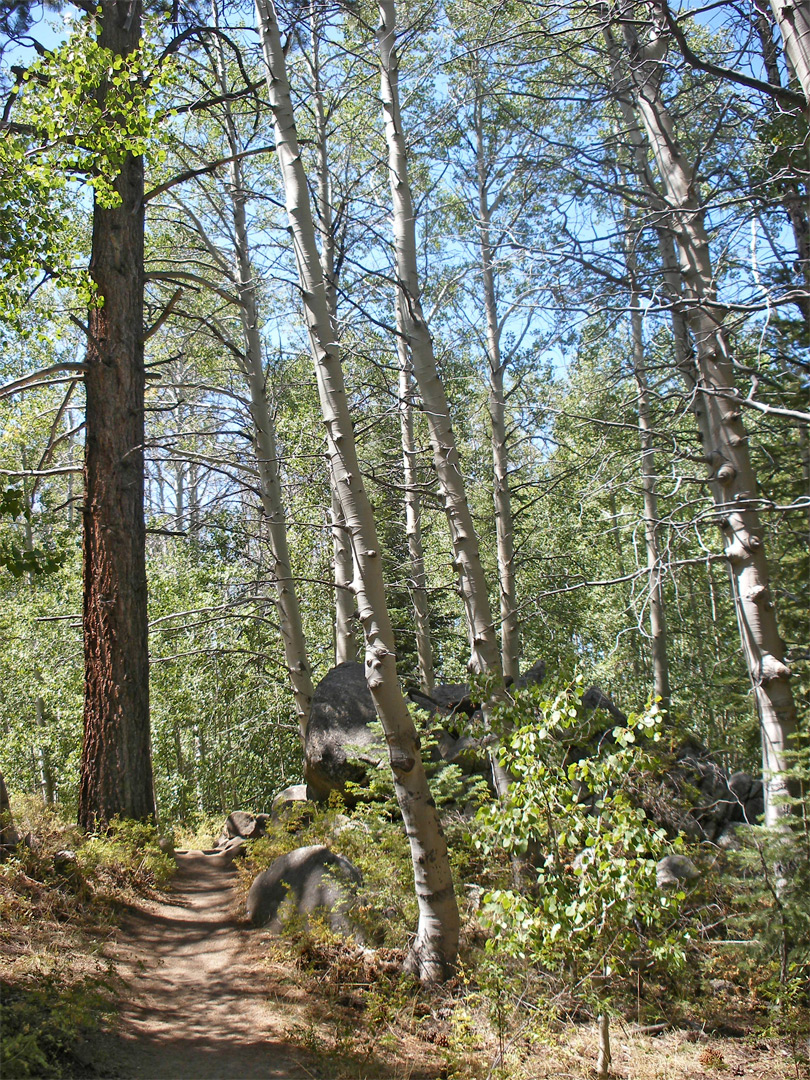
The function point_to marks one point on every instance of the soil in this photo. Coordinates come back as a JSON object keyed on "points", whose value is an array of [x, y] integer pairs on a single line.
{"points": [[196, 1001]]}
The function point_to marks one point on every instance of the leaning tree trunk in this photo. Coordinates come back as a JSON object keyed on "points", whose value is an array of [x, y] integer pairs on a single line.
{"points": [[485, 657], [434, 950], [264, 434], [790, 195], [725, 442], [116, 765], [504, 524], [413, 512]]}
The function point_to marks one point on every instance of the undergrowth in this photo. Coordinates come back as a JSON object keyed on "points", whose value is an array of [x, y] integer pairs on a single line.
{"points": [[60, 892]]}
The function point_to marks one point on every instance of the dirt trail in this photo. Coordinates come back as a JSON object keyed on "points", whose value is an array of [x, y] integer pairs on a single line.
{"points": [[195, 1006]]}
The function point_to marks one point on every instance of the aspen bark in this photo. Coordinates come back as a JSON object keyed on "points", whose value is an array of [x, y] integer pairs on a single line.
{"points": [[793, 19], [485, 656], [790, 194], [725, 444], [413, 513], [116, 763], [434, 950], [658, 621], [264, 434], [345, 636], [504, 524]]}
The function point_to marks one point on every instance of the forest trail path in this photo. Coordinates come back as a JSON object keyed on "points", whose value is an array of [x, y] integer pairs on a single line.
{"points": [[195, 1005]]}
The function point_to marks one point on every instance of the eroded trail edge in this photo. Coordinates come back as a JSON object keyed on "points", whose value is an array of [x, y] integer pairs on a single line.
{"points": [[195, 1007]]}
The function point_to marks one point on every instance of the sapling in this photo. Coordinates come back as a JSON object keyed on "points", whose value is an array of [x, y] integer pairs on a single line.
{"points": [[589, 902]]}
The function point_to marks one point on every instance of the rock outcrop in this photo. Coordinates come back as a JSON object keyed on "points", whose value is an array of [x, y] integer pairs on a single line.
{"points": [[339, 741], [307, 880]]}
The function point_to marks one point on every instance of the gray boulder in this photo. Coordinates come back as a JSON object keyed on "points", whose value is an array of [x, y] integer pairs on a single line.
{"points": [[243, 824], [674, 870], [750, 798], [715, 799], [339, 742], [304, 881], [294, 795]]}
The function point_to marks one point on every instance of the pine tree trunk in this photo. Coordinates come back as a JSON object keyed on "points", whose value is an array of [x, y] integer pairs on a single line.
{"points": [[264, 436], [725, 443], [434, 950], [9, 837], [116, 765]]}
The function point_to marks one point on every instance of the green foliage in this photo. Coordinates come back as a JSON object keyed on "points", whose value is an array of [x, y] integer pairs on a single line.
{"points": [[57, 889], [449, 786], [126, 850], [590, 903], [18, 560], [769, 871], [40, 1027]]}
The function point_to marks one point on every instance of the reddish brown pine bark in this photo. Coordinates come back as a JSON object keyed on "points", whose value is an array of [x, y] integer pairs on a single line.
{"points": [[116, 767]]}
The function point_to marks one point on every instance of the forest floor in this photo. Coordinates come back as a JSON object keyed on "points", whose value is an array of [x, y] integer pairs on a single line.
{"points": [[207, 998], [196, 1003], [170, 982]]}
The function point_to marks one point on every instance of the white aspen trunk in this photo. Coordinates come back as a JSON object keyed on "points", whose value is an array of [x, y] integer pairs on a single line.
{"points": [[345, 613], [485, 656], [725, 443], [44, 759], [504, 524], [193, 497], [793, 19], [179, 494], [434, 950], [484, 653], [264, 438], [345, 635], [199, 765], [658, 621], [413, 513]]}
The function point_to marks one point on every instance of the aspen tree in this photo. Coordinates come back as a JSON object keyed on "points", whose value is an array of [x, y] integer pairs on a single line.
{"points": [[723, 436], [264, 433], [345, 636], [413, 510], [484, 657], [435, 947], [496, 404], [658, 620], [793, 19]]}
